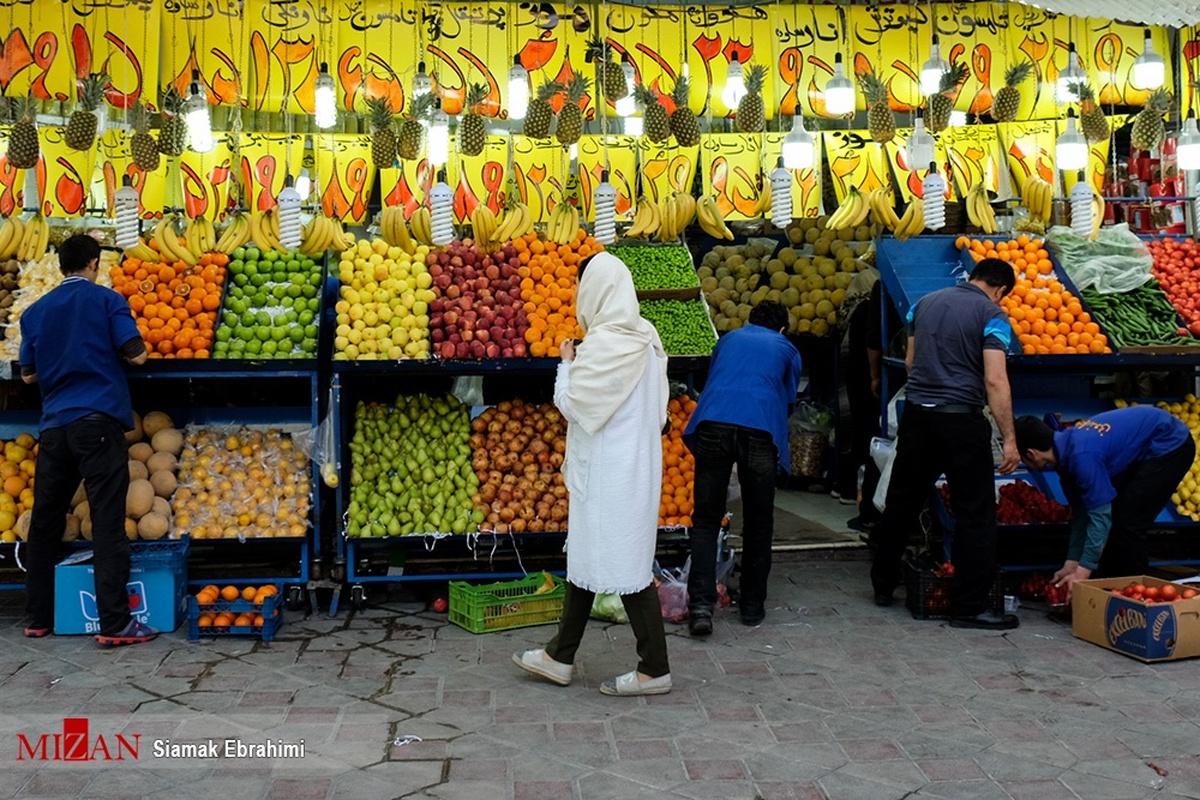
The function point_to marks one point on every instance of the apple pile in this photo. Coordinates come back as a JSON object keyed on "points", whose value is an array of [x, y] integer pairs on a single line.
{"points": [[384, 303], [271, 306], [411, 470], [518, 454], [478, 312]]}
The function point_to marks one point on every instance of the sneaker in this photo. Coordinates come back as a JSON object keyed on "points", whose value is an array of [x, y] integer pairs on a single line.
{"points": [[629, 685], [542, 665], [135, 633], [700, 626], [843, 499]]}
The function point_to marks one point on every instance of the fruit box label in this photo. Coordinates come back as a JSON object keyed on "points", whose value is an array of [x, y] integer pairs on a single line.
{"points": [[157, 597], [1144, 630]]}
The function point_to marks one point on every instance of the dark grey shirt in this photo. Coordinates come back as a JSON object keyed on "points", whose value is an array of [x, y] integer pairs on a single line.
{"points": [[952, 328]]}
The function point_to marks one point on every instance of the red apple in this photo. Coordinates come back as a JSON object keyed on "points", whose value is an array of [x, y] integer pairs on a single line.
{"points": [[447, 350]]}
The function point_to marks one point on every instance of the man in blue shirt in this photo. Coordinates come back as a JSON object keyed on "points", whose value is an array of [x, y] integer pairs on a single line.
{"points": [[1118, 470], [73, 341], [956, 362], [741, 418]]}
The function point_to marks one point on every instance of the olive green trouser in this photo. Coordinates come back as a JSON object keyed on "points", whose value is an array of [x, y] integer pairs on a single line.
{"points": [[645, 617]]}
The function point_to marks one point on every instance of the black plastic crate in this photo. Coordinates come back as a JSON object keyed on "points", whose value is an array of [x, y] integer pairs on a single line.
{"points": [[929, 594]]}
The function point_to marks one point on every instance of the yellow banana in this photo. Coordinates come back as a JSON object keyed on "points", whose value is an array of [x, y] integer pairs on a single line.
{"points": [[422, 226], [16, 230]]}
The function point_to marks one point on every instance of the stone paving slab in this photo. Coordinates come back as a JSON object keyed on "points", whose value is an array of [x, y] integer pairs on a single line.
{"points": [[831, 698]]}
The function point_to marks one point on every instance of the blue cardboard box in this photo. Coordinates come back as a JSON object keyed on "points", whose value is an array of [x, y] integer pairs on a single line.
{"points": [[157, 592]]}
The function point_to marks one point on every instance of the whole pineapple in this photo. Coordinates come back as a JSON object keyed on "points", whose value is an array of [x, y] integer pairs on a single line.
{"points": [[81, 128], [172, 132], [683, 121], [383, 132], [570, 119], [472, 129], [541, 113], [656, 124], [938, 106], [1148, 130], [751, 113], [408, 144], [608, 72], [880, 120], [23, 149], [1092, 121], [142, 146], [1007, 99]]}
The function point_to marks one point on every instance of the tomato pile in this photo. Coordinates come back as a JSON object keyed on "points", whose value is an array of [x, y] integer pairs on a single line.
{"points": [[1034, 586], [1167, 593], [1022, 503], [1177, 269]]}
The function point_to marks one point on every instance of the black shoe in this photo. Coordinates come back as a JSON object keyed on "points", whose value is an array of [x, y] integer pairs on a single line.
{"points": [[988, 620], [861, 525], [884, 600], [700, 626], [753, 615]]}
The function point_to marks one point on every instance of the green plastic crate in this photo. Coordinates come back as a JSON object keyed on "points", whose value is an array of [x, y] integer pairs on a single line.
{"points": [[508, 604]]}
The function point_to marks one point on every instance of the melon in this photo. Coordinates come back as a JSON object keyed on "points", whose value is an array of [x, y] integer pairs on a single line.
{"points": [[131, 529], [161, 506], [140, 499], [135, 435], [80, 495], [23, 525], [161, 461], [138, 471], [141, 452], [167, 440], [163, 482], [154, 422], [152, 526], [71, 531]]}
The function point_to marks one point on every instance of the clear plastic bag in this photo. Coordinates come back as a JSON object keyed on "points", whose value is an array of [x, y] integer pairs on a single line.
{"points": [[672, 591], [609, 608], [320, 445], [1118, 261]]}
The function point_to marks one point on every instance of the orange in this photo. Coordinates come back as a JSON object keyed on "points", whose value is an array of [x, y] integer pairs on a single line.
{"points": [[230, 593], [205, 620], [248, 593]]}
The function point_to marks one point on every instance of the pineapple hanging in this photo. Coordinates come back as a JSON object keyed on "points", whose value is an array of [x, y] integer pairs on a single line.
{"points": [[751, 114], [172, 132], [609, 73], [656, 124], [1092, 121], [84, 122], [683, 121], [1148, 130], [472, 129], [541, 113], [1007, 99], [142, 146], [412, 132], [880, 120], [383, 132], [23, 150], [570, 119], [938, 106]]}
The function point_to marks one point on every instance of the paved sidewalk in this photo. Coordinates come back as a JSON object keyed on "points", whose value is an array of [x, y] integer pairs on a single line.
{"points": [[830, 698]]}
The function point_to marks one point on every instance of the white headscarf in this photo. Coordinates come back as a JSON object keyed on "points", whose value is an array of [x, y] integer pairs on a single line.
{"points": [[611, 359]]}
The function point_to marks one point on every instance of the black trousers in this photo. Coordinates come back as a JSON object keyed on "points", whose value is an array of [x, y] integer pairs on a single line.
{"points": [[718, 447], [930, 443], [645, 617], [1143, 491], [94, 450]]}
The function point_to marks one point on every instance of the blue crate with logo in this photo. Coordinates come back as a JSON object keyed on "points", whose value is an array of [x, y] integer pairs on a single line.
{"points": [[263, 612], [157, 588]]}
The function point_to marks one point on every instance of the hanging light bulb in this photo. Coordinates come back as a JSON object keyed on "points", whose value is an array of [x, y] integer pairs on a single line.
{"points": [[735, 86], [627, 106], [634, 125], [604, 201], [304, 183], [798, 150], [199, 124], [1081, 208], [125, 204], [324, 100], [958, 119], [1064, 90], [1187, 146], [518, 90], [438, 140], [288, 209], [839, 91], [441, 211], [1071, 149], [933, 198], [422, 83], [933, 69], [1149, 70], [920, 145], [781, 194]]}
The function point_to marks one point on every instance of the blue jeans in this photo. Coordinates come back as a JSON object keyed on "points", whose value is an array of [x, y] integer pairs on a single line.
{"points": [[717, 447]]}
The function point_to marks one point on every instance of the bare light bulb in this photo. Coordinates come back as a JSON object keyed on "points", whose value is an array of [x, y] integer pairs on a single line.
{"points": [[1187, 146], [518, 90], [196, 117], [920, 145], [932, 70], [1149, 70], [735, 86], [422, 83], [798, 149], [324, 100], [1064, 90], [1071, 150], [439, 137], [839, 91]]}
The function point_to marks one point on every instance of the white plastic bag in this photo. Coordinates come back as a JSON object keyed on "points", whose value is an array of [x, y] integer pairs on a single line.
{"points": [[885, 457]]}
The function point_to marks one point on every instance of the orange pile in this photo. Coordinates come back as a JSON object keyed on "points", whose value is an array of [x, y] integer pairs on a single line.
{"points": [[175, 305], [679, 468], [217, 618], [1049, 319], [547, 273]]}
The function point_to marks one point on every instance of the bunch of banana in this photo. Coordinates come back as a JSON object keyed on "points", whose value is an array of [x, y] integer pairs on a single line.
{"points": [[517, 222], [979, 209], [912, 221], [1038, 196], [321, 234], [394, 229], [236, 234], [484, 226], [11, 235], [35, 236], [851, 213], [200, 235], [143, 252], [264, 230], [645, 220], [763, 207], [711, 220], [882, 209], [668, 212], [169, 245], [686, 210], [422, 226], [563, 225]]}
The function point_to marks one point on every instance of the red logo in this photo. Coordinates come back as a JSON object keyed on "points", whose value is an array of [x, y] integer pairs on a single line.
{"points": [[75, 743]]}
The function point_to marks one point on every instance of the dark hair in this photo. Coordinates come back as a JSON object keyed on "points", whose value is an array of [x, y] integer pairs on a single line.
{"points": [[1033, 434], [76, 252], [582, 266], [769, 314], [995, 272]]}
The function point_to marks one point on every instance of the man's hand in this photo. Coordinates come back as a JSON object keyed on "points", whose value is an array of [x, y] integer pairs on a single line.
{"points": [[1068, 568], [566, 350], [876, 385], [1011, 459], [1067, 581]]}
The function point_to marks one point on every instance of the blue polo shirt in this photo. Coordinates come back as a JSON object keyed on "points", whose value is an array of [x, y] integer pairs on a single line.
{"points": [[753, 377], [1093, 454], [952, 327], [71, 339]]}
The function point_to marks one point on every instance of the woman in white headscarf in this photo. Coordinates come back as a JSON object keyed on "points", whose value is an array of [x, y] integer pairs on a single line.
{"points": [[613, 393]]}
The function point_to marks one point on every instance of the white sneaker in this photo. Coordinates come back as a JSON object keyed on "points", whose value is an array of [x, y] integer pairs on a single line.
{"points": [[537, 662], [628, 685]]}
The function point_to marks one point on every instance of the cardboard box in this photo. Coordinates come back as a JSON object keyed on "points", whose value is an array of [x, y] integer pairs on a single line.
{"points": [[1145, 631], [157, 594]]}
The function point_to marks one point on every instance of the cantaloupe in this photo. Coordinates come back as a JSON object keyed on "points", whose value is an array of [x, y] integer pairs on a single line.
{"points": [[71, 531], [161, 506], [161, 461], [23, 525], [138, 471], [167, 440], [140, 499], [154, 422], [163, 482], [131, 529], [135, 435], [141, 452], [153, 526]]}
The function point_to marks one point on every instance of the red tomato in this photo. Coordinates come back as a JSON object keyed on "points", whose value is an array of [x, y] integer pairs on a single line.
{"points": [[1187, 594], [1168, 592], [1151, 594], [440, 606], [1132, 589]]}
